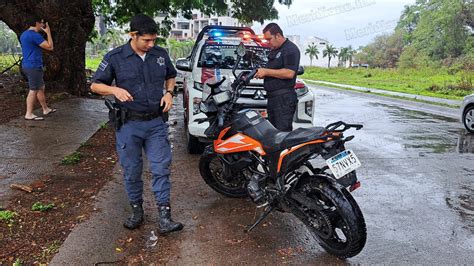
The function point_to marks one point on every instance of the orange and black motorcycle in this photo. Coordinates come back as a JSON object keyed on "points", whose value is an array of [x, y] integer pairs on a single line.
{"points": [[249, 157]]}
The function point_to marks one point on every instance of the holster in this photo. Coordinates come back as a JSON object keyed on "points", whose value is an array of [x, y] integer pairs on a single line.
{"points": [[117, 115]]}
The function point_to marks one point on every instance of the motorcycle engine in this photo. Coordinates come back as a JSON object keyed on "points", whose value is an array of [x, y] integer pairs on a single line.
{"points": [[254, 189]]}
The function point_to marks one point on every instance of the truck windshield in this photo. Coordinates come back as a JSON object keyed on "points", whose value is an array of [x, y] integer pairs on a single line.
{"points": [[224, 57]]}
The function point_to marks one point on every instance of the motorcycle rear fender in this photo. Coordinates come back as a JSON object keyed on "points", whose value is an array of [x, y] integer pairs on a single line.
{"points": [[328, 179]]}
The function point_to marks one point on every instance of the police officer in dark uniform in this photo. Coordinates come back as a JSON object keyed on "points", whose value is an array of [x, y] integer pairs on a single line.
{"points": [[280, 77], [141, 70]]}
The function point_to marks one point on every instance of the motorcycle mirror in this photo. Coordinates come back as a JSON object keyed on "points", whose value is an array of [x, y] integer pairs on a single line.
{"points": [[241, 50]]}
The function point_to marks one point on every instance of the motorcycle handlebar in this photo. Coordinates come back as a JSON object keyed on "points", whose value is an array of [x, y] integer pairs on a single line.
{"points": [[251, 75]]}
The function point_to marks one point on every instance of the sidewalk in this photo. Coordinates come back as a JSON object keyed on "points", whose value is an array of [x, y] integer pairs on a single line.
{"points": [[30, 149], [392, 93], [93, 242]]}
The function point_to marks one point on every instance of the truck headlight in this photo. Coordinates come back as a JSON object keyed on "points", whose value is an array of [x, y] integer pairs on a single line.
{"points": [[308, 108], [198, 86], [301, 91]]}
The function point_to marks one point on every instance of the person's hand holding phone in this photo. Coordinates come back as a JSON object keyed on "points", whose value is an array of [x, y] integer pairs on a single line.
{"points": [[46, 28]]}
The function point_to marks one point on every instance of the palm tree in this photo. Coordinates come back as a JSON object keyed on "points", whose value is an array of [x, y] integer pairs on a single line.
{"points": [[330, 52], [313, 52], [343, 56], [351, 52]]}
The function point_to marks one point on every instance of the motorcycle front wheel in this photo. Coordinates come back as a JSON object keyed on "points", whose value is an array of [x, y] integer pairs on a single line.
{"points": [[212, 171], [340, 226]]}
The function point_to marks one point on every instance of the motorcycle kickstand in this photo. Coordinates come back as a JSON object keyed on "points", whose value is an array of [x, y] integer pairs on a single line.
{"points": [[260, 219]]}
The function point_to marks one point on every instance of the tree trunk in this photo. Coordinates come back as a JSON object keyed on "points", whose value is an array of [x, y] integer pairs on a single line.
{"points": [[329, 62], [71, 23]]}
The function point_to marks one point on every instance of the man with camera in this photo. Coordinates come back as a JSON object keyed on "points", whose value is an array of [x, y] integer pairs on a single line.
{"points": [[32, 44]]}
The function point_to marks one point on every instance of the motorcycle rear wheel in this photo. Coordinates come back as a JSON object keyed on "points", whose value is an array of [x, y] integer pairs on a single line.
{"points": [[212, 171], [341, 228]]}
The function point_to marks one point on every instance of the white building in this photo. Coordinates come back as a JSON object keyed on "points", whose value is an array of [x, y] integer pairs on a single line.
{"points": [[184, 29], [321, 45]]}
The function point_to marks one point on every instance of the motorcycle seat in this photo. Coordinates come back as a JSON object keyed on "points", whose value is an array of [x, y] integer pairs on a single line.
{"points": [[302, 135], [280, 140]]}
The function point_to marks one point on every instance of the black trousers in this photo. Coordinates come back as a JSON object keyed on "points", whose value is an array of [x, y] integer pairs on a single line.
{"points": [[281, 110]]}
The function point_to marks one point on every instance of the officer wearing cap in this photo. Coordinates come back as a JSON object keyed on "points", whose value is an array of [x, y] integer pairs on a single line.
{"points": [[280, 77], [144, 82]]}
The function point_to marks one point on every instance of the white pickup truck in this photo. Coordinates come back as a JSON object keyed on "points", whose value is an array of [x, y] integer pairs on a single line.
{"points": [[213, 56]]}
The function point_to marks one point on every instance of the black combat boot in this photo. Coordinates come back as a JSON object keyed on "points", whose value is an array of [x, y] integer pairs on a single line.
{"points": [[136, 219], [166, 225]]}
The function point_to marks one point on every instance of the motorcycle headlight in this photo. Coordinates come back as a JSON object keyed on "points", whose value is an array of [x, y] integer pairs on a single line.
{"points": [[222, 97]]}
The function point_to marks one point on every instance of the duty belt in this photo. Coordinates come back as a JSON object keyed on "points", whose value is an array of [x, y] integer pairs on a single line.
{"points": [[142, 116]]}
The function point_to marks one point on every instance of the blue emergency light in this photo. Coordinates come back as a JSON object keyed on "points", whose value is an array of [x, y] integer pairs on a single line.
{"points": [[217, 34]]}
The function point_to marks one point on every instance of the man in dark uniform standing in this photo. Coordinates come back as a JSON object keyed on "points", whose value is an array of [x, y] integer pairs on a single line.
{"points": [[140, 70], [280, 77]]}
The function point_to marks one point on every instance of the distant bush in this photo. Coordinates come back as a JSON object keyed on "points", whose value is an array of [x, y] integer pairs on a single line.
{"points": [[368, 75], [412, 58]]}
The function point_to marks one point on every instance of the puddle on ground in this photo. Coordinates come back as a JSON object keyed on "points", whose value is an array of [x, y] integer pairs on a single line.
{"points": [[428, 133], [462, 202], [465, 143]]}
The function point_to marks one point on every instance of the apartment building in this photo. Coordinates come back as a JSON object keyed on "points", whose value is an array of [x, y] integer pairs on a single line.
{"points": [[184, 29]]}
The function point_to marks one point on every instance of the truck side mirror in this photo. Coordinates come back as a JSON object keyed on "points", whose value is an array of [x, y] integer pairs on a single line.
{"points": [[183, 64], [300, 70]]}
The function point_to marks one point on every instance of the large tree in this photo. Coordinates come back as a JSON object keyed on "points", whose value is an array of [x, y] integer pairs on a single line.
{"points": [[439, 28], [72, 22]]}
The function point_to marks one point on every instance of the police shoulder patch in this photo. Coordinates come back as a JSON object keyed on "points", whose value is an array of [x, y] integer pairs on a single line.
{"points": [[103, 65]]}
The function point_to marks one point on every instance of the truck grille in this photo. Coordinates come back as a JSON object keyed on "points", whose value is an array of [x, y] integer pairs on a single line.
{"points": [[250, 91]]}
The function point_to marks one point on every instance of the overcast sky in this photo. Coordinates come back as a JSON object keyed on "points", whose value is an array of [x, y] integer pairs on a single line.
{"points": [[341, 22]]}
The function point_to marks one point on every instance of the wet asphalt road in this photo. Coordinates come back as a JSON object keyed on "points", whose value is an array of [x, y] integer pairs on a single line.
{"points": [[417, 177], [417, 196]]}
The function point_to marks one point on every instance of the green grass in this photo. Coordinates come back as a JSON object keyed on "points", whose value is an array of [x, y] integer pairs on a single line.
{"points": [[104, 125], [38, 206], [8, 60], [7, 216], [427, 82], [17, 262], [73, 158], [93, 63]]}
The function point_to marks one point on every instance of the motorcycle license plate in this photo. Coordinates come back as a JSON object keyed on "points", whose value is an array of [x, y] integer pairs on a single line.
{"points": [[343, 163]]}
